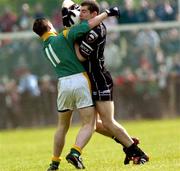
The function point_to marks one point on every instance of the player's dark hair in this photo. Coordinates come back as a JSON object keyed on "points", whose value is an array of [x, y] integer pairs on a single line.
{"points": [[92, 5], [40, 26]]}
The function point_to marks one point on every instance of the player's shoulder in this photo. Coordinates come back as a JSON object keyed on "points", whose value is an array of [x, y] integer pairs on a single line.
{"points": [[81, 24], [101, 30], [96, 34]]}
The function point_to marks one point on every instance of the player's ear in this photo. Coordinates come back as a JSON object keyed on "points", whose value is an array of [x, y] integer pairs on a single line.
{"points": [[94, 14]]}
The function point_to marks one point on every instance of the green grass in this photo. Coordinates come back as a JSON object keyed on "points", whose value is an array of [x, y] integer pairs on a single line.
{"points": [[30, 149]]}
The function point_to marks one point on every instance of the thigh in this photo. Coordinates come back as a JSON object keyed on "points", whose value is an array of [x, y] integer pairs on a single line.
{"points": [[87, 115], [65, 99], [64, 118], [105, 109], [82, 93]]}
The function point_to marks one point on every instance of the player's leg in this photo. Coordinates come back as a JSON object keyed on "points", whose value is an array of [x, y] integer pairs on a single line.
{"points": [[101, 129], [64, 120], [106, 112], [84, 104], [88, 126], [63, 126], [133, 152]]}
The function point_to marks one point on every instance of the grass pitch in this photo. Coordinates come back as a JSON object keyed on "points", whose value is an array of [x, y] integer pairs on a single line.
{"points": [[31, 149]]}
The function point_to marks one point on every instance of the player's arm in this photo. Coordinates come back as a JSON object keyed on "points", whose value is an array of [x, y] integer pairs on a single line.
{"points": [[86, 46], [78, 30], [78, 54], [99, 18]]}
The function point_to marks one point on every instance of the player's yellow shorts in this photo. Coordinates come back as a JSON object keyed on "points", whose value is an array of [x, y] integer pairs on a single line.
{"points": [[74, 92]]}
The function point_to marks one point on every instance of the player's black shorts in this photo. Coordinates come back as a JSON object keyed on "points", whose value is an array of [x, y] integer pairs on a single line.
{"points": [[102, 87], [103, 95]]}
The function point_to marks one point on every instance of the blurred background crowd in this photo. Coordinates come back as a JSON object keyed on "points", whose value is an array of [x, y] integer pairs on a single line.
{"points": [[145, 63], [131, 12]]}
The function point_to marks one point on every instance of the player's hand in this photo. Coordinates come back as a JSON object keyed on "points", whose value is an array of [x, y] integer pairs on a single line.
{"points": [[66, 17], [75, 7], [114, 11]]}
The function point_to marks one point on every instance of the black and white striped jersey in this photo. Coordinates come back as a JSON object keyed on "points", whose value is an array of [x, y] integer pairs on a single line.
{"points": [[91, 46]]}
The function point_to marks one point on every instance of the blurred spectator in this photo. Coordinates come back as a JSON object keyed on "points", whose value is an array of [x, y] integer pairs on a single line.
{"points": [[165, 11], [175, 6], [152, 16], [128, 14], [48, 100], [145, 71], [14, 114], [112, 57], [25, 18], [175, 76], [148, 41], [129, 75], [8, 20], [143, 13], [29, 90], [171, 41], [162, 76], [149, 38], [3, 111], [39, 11], [57, 19], [28, 82], [176, 64]]}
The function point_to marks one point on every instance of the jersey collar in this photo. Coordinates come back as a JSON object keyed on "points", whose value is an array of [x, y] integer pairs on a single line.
{"points": [[46, 35]]}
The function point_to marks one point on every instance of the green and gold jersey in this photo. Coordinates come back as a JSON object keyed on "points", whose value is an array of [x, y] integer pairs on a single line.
{"points": [[59, 49]]}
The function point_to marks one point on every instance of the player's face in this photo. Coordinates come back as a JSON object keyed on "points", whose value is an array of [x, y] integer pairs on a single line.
{"points": [[85, 13], [51, 27]]}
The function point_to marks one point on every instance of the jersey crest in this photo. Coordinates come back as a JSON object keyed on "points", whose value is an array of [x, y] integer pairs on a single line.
{"points": [[91, 37]]}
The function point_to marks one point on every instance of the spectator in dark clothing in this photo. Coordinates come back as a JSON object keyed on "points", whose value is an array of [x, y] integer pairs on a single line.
{"points": [[128, 14], [164, 11], [143, 13], [39, 11]]}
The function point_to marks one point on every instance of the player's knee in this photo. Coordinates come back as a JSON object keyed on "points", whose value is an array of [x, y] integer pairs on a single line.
{"points": [[107, 123], [89, 120], [95, 126], [89, 127], [98, 125]]}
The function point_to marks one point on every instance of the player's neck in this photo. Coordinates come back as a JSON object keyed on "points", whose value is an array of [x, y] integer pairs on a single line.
{"points": [[46, 35]]}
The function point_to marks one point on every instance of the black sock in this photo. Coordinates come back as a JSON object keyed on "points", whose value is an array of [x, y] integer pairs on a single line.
{"points": [[115, 139], [133, 150]]}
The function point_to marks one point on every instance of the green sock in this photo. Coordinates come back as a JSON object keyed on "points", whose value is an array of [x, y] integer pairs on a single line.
{"points": [[75, 152]]}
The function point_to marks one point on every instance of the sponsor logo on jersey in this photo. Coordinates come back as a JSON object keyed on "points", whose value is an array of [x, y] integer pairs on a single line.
{"points": [[105, 92], [102, 93]]}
